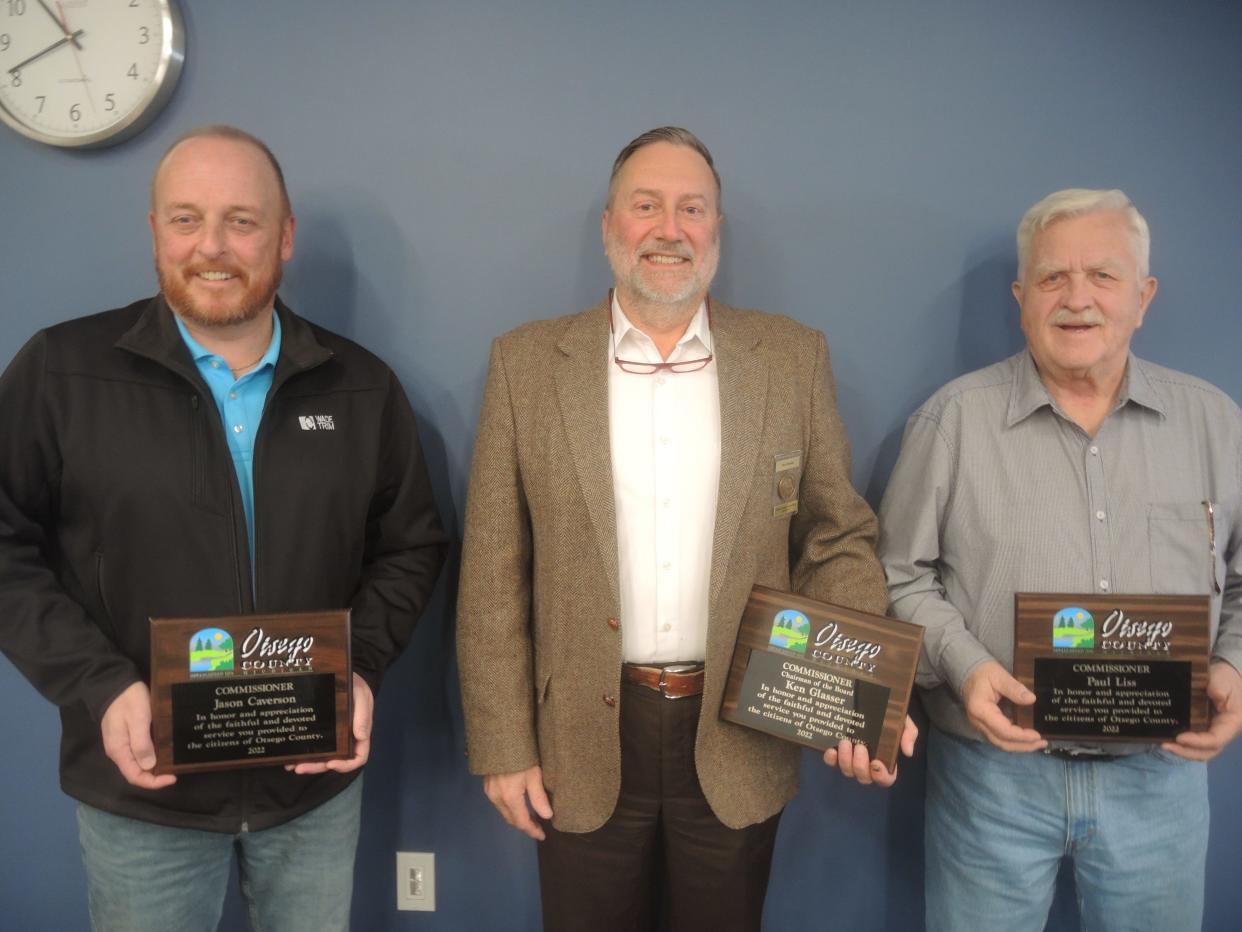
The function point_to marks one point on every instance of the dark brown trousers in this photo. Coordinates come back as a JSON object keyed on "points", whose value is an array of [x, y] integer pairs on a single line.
{"points": [[662, 860]]}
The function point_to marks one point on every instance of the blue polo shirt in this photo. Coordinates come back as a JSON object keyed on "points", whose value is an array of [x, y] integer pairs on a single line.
{"points": [[240, 403]]}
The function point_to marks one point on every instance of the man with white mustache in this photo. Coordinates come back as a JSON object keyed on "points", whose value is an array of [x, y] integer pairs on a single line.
{"points": [[199, 454], [627, 492], [1070, 467]]}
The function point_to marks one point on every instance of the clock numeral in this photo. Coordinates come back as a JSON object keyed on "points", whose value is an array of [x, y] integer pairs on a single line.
{"points": [[133, 71], [42, 99], [17, 7], [133, 4], [144, 35], [17, 78], [75, 113], [109, 102], [5, 41]]}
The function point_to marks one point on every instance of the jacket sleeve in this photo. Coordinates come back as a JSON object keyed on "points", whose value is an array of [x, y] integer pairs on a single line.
{"points": [[47, 635], [911, 517], [405, 545], [494, 648], [833, 534]]}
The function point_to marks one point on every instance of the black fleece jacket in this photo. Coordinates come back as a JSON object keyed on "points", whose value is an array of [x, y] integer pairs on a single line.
{"points": [[119, 502]]}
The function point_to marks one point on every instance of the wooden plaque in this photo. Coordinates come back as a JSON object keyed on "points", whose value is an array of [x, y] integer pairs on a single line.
{"points": [[1130, 668], [814, 673], [250, 690]]}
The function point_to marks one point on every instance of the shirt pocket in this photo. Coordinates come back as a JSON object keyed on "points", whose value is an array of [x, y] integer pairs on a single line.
{"points": [[1180, 548]]}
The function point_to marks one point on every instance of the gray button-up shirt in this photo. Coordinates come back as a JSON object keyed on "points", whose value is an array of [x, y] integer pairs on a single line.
{"points": [[997, 491]]}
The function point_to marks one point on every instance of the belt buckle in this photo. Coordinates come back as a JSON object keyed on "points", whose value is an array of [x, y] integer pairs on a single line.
{"points": [[675, 668]]}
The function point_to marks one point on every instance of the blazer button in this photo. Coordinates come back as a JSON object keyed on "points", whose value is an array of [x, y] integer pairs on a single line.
{"points": [[614, 624], [610, 701]]}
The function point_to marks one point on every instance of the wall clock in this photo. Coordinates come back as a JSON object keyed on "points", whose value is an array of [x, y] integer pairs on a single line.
{"points": [[85, 73]]}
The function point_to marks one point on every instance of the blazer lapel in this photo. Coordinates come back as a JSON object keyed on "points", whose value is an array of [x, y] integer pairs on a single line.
{"points": [[581, 377], [743, 381]]}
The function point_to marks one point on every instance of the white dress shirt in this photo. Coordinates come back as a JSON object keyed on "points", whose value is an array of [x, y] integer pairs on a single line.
{"points": [[665, 439]]}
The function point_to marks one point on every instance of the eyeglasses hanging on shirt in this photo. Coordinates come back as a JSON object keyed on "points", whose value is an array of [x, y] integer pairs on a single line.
{"points": [[636, 367]]}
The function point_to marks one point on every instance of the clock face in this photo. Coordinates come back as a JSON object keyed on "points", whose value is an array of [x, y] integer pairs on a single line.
{"points": [[87, 72]]}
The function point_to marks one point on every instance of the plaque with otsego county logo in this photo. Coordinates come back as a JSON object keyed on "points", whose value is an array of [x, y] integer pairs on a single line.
{"points": [[250, 690], [813, 673], [1131, 668]]}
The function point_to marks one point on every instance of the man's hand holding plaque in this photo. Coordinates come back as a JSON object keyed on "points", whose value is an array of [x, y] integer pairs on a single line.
{"points": [[1224, 691], [855, 763], [988, 685], [126, 732], [364, 709]]}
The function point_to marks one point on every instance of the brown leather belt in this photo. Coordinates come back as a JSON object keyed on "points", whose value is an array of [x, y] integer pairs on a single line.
{"points": [[672, 681]]}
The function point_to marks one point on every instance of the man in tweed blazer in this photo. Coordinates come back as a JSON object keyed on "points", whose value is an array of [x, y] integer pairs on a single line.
{"points": [[566, 624]]}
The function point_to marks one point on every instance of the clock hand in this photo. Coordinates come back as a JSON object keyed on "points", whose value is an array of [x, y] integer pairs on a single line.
{"points": [[73, 37], [77, 60], [63, 27]]}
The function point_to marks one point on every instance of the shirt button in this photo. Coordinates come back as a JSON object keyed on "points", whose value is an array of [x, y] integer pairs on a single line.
{"points": [[237, 428], [1099, 515], [614, 624], [666, 565], [1104, 585], [215, 364], [666, 627], [667, 502], [610, 701], [1095, 451], [232, 396], [663, 440], [659, 380]]}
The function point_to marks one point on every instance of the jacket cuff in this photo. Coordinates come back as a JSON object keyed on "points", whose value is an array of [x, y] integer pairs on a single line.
{"points": [[1228, 653], [500, 753], [959, 659], [99, 693]]}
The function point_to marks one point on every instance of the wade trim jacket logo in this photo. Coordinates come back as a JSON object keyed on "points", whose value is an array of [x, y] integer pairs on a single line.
{"points": [[316, 422]]}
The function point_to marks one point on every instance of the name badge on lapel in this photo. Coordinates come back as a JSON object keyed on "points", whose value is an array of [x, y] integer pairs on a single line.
{"points": [[786, 473]]}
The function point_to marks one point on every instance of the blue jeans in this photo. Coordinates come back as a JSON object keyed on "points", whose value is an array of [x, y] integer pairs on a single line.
{"points": [[151, 878], [998, 825]]}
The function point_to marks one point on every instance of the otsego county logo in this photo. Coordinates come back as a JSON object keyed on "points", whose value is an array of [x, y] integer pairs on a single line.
{"points": [[790, 630], [211, 651], [1073, 627]]}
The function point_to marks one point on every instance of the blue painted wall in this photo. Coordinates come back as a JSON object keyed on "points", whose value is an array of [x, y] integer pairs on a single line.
{"points": [[447, 162]]}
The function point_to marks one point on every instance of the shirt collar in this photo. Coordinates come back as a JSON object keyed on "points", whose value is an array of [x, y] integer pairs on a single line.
{"points": [[1140, 389], [697, 329], [1029, 393], [200, 353]]}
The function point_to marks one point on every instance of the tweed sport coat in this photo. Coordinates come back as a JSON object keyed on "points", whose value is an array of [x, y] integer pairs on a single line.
{"points": [[539, 615]]}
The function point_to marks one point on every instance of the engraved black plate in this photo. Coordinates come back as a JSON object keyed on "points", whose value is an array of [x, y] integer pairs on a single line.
{"points": [[255, 717], [809, 705], [1092, 698]]}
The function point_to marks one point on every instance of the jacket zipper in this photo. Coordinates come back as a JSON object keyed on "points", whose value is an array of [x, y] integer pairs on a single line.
{"points": [[200, 473], [199, 455], [196, 452]]}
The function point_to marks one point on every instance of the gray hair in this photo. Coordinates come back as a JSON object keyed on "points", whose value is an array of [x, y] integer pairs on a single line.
{"points": [[674, 135], [224, 131], [1079, 202]]}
